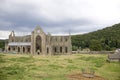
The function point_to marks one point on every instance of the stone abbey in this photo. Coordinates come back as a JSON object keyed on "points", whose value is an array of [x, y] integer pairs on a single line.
{"points": [[39, 43]]}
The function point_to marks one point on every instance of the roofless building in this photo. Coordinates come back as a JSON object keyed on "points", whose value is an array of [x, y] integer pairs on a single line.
{"points": [[39, 43]]}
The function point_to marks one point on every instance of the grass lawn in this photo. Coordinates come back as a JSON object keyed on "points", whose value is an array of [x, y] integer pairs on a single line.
{"points": [[27, 67]]}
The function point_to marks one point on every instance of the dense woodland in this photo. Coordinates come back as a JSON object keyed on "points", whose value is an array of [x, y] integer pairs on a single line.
{"points": [[2, 44], [105, 39]]}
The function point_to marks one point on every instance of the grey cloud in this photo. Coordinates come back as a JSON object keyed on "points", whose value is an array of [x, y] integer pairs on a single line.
{"points": [[21, 20], [54, 16]]}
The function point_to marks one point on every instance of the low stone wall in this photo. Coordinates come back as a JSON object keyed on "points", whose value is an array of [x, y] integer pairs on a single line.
{"points": [[93, 52], [101, 52]]}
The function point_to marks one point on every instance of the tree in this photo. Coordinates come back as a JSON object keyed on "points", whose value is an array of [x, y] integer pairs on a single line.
{"points": [[95, 45], [74, 48]]}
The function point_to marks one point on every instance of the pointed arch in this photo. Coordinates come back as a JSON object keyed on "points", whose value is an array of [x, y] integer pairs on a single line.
{"points": [[55, 49], [9, 48], [60, 49], [47, 50], [38, 43], [23, 49], [28, 49], [18, 49], [66, 50]]}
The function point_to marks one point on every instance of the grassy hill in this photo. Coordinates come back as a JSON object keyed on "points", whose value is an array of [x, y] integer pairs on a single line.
{"points": [[105, 39]]}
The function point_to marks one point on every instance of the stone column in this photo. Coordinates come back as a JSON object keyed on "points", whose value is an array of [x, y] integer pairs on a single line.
{"points": [[26, 50], [21, 49]]}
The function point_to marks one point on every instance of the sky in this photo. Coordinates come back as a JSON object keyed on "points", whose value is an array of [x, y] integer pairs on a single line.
{"points": [[58, 17]]}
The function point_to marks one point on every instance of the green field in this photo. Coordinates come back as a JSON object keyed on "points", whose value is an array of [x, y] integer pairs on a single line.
{"points": [[28, 67]]}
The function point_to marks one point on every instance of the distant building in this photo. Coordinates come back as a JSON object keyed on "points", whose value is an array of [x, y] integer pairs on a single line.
{"points": [[115, 56], [117, 51], [39, 43]]}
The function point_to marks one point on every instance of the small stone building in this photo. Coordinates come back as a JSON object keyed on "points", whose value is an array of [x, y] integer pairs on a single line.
{"points": [[39, 43], [115, 56]]}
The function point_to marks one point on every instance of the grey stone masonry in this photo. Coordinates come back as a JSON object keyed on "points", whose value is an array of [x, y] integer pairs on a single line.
{"points": [[39, 43]]}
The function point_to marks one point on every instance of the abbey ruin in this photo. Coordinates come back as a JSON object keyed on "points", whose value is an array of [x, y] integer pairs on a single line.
{"points": [[39, 43]]}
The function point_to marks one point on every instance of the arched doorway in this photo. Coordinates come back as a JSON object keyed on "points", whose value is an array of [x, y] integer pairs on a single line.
{"points": [[18, 49], [9, 49], [55, 49], [66, 49], [60, 49], [28, 49], [47, 50], [23, 49], [38, 45]]}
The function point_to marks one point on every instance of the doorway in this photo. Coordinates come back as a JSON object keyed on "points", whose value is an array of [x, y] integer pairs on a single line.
{"points": [[38, 45]]}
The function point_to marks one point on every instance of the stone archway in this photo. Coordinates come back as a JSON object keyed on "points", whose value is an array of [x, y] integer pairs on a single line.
{"points": [[47, 50], [38, 44], [18, 49], [66, 50], [28, 49], [61, 50], [23, 49], [9, 48]]}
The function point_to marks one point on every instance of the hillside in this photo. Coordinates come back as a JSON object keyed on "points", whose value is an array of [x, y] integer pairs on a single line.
{"points": [[105, 39]]}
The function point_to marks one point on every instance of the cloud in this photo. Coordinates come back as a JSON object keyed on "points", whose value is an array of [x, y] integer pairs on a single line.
{"points": [[58, 16]]}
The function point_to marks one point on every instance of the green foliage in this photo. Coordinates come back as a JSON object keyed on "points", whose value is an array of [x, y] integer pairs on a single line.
{"points": [[74, 48], [2, 44], [95, 45], [105, 39]]}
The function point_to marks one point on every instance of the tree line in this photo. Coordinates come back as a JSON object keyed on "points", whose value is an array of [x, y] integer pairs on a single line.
{"points": [[2, 44], [105, 39]]}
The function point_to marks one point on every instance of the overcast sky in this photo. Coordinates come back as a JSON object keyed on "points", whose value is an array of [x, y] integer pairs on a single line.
{"points": [[57, 16]]}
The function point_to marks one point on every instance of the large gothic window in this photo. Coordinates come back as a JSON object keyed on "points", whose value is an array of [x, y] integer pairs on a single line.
{"points": [[38, 44]]}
